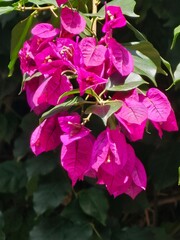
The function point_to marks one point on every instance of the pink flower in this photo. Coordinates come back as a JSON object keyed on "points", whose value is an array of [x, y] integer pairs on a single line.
{"points": [[46, 136], [44, 30], [120, 57], [113, 18], [88, 80], [72, 128], [30, 87], [160, 111], [72, 21], [93, 54], [132, 115], [116, 164], [76, 157], [59, 2], [27, 63], [51, 89]]}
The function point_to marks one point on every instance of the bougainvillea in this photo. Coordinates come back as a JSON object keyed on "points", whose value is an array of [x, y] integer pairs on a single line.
{"points": [[69, 77]]}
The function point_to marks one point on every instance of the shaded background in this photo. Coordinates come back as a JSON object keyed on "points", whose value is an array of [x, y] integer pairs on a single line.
{"points": [[36, 199]]}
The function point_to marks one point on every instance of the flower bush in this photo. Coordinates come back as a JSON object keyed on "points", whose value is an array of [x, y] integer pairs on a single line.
{"points": [[95, 154], [69, 77]]}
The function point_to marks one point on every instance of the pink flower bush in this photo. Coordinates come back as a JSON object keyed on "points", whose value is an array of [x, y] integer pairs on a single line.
{"points": [[60, 67]]}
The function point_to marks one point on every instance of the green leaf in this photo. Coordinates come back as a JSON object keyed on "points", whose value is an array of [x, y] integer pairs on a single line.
{"points": [[77, 91], [126, 6], [13, 220], [137, 33], [29, 123], [76, 101], [60, 229], [21, 146], [12, 177], [42, 2], [94, 203], [104, 111], [144, 66], [41, 165], [176, 34], [50, 195], [132, 81], [19, 35], [177, 74], [163, 166], [146, 48], [7, 9], [27, 78], [74, 213]]}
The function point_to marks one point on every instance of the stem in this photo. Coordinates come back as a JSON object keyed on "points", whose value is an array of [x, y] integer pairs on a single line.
{"points": [[94, 11], [87, 119], [51, 8]]}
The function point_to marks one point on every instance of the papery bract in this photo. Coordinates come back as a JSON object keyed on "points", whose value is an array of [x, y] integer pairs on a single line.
{"points": [[51, 89], [44, 30], [109, 146], [113, 18], [94, 55], [76, 157], [132, 112], [139, 180], [30, 87], [120, 57], [72, 21], [59, 2], [72, 128], [132, 131], [46, 136], [169, 125], [88, 80], [27, 63], [132, 115], [116, 178], [157, 104]]}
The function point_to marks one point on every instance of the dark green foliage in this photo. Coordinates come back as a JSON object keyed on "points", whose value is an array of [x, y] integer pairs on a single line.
{"points": [[37, 201]]}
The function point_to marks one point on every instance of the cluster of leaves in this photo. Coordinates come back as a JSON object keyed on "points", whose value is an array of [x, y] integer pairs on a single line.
{"points": [[37, 201]]}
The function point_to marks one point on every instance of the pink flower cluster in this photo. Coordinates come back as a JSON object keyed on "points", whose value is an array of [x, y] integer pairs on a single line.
{"points": [[55, 61]]}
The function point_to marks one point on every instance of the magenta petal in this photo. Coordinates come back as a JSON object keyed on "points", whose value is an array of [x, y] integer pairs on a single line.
{"points": [[169, 125], [72, 21], [118, 146], [120, 57], [139, 180], [113, 19], [113, 177], [46, 136], [133, 112], [76, 158], [44, 30], [133, 131], [157, 104], [59, 2], [88, 80], [51, 89], [72, 128], [94, 55], [67, 122], [100, 150]]}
